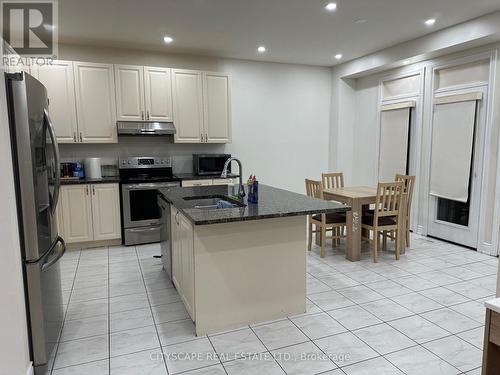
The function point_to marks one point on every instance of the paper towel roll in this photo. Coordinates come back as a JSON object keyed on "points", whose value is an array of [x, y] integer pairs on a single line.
{"points": [[93, 167]]}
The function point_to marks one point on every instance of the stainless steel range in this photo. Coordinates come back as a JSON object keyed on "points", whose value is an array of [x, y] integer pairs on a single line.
{"points": [[140, 178]]}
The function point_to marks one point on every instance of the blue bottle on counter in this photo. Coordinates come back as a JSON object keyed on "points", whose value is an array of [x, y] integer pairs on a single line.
{"points": [[253, 190], [78, 170]]}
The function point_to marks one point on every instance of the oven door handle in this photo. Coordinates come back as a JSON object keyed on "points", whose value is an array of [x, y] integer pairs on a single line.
{"points": [[149, 186], [143, 229]]}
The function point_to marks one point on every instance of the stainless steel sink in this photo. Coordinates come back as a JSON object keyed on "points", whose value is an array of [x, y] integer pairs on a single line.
{"points": [[210, 202]]}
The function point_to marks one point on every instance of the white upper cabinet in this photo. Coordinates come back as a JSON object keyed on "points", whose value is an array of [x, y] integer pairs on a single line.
{"points": [[95, 102], [217, 107], [158, 93], [187, 94], [129, 81], [202, 106], [59, 82]]}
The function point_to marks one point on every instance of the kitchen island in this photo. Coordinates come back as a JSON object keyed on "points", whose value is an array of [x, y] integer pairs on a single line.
{"points": [[240, 265]]}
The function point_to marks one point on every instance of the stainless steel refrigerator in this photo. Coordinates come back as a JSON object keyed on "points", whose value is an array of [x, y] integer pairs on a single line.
{"points": [[37, 178]]}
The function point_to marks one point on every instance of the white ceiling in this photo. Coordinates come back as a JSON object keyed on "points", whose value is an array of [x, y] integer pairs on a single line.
{"points": [[294, 31]]}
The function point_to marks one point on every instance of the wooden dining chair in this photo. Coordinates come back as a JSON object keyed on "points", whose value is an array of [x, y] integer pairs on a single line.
{"points": [[332, 180], [386, 215], [408, 184], [323, 222]]}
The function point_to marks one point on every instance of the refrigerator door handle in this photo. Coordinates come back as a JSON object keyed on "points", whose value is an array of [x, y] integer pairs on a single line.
{"points": [[57, 177], [47, 265]]}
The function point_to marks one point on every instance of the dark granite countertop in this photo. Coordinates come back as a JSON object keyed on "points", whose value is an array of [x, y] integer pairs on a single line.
{"points": [[192, 176], [273, 202], [104, 180]]}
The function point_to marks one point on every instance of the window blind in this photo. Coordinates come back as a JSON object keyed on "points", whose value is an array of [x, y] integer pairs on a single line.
{"points": [[451, 148], [394, 130]]}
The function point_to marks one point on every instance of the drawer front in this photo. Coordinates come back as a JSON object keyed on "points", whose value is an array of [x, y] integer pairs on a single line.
{"points": [[495, 328], [224, 181], [190, 183]]}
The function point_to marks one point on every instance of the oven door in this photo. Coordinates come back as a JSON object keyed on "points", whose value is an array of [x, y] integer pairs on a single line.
{"points": [[140, 206]]}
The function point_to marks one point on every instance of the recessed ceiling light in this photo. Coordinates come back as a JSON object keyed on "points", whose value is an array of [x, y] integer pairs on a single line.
{"points": [[430, 21], [360, 20], [406, 62], [261, 49], [168, 39], [331, 7], [338, 56]]}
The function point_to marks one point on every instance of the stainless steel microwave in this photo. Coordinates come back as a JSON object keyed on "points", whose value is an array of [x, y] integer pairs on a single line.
{"points": [[210, 164]]}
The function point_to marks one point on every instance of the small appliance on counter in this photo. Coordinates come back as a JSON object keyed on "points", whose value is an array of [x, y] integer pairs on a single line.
{"points": [[210, 164], [93, 168], [72, 171]]}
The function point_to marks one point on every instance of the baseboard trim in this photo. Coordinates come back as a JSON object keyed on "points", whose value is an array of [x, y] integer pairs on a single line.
{"points": [[30, 370], [420, 230], [91, 244], [487, 248]]}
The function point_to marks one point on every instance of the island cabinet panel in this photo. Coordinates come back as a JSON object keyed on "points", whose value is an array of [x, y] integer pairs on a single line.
{"points": [[176, 245], [187, 259], [183, 260], [249, 272]]}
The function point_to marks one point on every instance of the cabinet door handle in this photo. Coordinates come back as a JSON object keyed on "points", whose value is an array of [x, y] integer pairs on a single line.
{"points": [[74, 137], [142, 115], [87, 189], [147, 115], [81, 137], [93, 190], [206, 138], [201, 138], [177, 220]]}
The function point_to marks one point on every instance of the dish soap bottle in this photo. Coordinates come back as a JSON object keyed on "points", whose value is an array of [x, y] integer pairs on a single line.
{"points": [[255, 191]]}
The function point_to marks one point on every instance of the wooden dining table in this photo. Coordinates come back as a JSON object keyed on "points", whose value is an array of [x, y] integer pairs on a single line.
{"points": [[357, 197]]}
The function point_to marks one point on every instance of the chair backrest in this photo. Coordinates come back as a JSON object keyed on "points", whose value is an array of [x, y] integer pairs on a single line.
{"points": [[332, 180], [389, 199], [314, 189], [408, 183]]}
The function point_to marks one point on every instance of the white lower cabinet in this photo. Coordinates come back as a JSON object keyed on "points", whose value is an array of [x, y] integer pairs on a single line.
{"points": [[183, 259], [89, 212], [75, 206], [106, 211]]}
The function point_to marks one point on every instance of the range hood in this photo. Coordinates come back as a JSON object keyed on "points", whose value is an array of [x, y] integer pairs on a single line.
{"points": [[145, 128]]}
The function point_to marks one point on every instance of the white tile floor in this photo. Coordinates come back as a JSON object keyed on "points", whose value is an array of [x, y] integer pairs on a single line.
{"points": [[422, 314]]}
